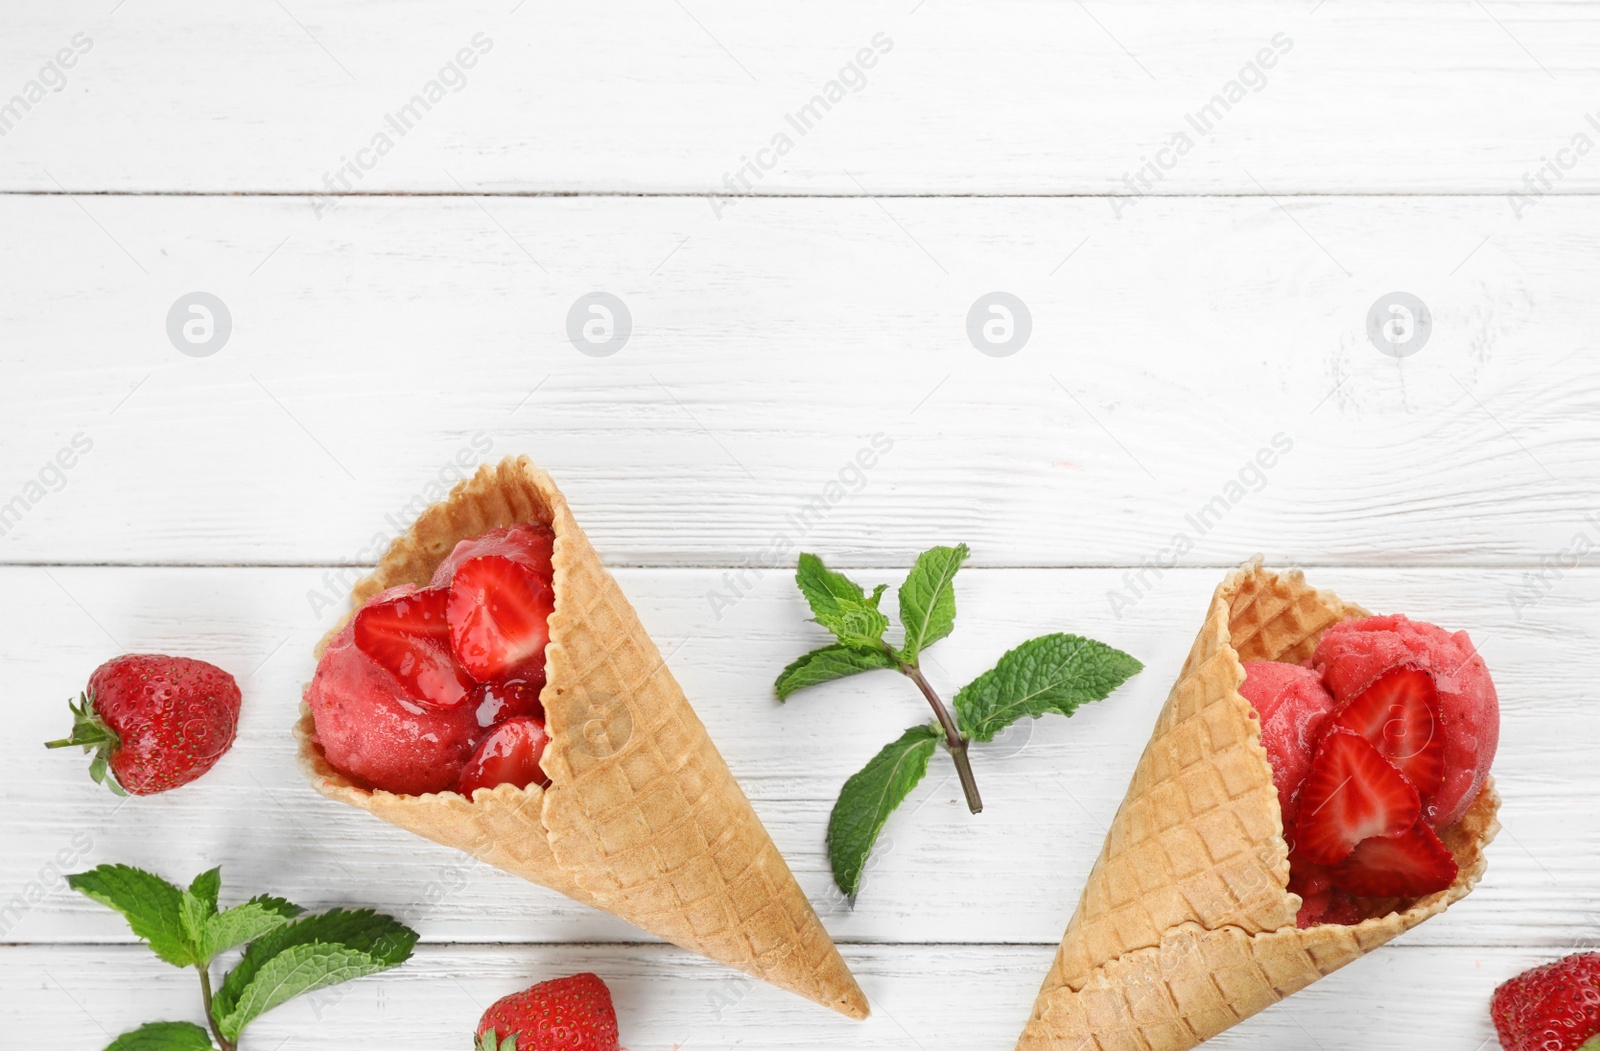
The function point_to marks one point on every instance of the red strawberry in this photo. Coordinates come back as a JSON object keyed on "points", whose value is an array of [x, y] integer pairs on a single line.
{"points": [[567, 1014], [526, 542], [409, 637], [1399, 716], [495, 702], [1551, 1008], [1408, 865], [154, 722], [511, 754], [1352, 793], [1329, 906], [498, 614], [372, 731]]}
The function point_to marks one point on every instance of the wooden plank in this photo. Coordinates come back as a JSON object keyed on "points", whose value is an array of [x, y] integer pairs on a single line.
{"points": [[374, 350], [1049, 791], [972, 997], [1011, 97]]}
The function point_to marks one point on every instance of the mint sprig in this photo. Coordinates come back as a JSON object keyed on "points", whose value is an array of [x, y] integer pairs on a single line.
{"points": [[286, 956], [1052, 673]]}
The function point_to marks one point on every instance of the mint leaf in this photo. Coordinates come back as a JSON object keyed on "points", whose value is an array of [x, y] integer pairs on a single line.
{"points": [[153, 907], [163, 1036], [1052, 673], [244, 923], [298, 969], [840, 605], [1591, 1044], [928, 598], [827, 664], [199, 905], [308, 954], [868, 798]]}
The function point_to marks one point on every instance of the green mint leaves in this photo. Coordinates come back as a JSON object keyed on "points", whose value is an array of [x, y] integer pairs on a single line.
{"points": [[1052, 673], [286, 956], [927, 610], [152, 906], [840, 605], [928, 598], [306, 955], [869, 797], [828, 663]]}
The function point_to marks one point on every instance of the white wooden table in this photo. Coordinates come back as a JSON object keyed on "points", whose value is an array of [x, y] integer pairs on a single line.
{"points": [[234, 490]]}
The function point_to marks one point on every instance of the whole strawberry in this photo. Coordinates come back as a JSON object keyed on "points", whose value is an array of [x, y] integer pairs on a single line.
{"points": [[567, 1014], [1551, 1008], [154, 722]]}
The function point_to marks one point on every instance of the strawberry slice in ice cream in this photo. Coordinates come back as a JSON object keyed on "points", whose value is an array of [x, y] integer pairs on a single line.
{"points": [[1352, 793], [1353, 656], [509, 755], [499, 613], [1399, 716], [531, 544], [371, 729], [408, 635]]}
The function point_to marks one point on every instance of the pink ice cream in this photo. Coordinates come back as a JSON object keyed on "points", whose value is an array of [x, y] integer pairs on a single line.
{"points": [[1352, 654], [371, 731], [1293, 706]]}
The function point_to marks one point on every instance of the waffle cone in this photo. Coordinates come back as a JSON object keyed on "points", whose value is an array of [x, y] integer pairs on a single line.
{"points": [[642, 817], [1186, 925]]}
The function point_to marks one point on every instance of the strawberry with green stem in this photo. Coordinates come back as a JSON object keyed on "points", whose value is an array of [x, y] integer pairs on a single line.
{"points": [[1052, 673], [154, 722]]}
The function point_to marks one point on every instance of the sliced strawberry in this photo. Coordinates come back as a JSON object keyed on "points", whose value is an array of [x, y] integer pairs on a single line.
{"points": [[527, 542], [409, 636], [1352, 793], [498, 614], [495, 702], [1409, 865], [510, 754], [1399, 716]]}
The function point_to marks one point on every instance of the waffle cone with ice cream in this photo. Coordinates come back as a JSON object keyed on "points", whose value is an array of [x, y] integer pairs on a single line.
{"points": [[1186, 925], [642, 817]]}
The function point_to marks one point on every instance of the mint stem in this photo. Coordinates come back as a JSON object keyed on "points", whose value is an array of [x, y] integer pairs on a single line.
{"points": [[952, 735], [205, 996]]}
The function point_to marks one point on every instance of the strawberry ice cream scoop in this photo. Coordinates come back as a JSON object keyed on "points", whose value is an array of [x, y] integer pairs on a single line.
{"points": [[1293, 707], [371, 730], [531, 544], [1354, 654]]}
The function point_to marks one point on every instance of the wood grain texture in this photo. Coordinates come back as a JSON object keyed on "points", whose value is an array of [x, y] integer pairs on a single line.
{"points": [[1050, 788], [222, 506], [372, 347], [1020, 96], [924, 997]]}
